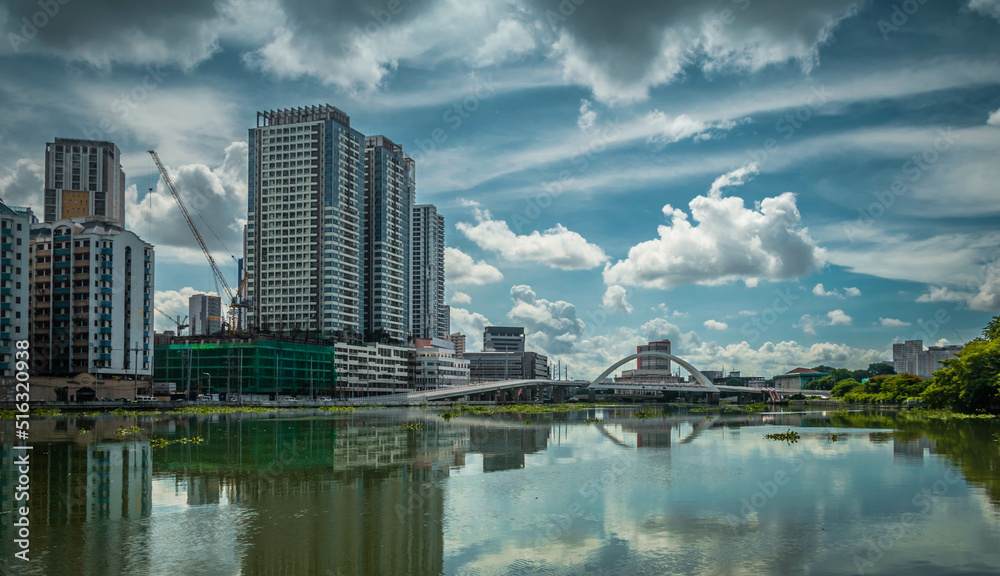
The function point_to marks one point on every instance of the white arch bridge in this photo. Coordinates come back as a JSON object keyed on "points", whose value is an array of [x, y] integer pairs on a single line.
{"points": [[533, 390]]}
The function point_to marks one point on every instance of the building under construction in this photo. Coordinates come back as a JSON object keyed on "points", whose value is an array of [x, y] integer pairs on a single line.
{"points": [[234, 365]]}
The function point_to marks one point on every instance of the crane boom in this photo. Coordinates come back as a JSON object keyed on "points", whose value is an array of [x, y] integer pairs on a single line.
{"points": [[180, 325], [194, 229]]}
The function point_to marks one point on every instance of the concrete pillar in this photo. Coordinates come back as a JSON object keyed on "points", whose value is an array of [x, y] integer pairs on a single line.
{"points": [[591, 395], [713, 398], [558, 394]]}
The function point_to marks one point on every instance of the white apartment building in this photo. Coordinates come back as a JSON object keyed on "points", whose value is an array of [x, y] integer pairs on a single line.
{"points": [[305, 222], [371, 370], [91, 299], [909, 357]]}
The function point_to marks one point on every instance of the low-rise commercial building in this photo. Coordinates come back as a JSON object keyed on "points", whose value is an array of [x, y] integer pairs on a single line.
{"points": [[795, 380], [435, 365], [497, 366], [371, 370]]}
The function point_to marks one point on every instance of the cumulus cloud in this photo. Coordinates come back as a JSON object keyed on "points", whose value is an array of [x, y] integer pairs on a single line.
{"points": [[779, 357], [981, 294], [552, 326], [729, 242], [665, 310], [461, 298], [621, 54], [215, 197], [460, 268], [994, 119], [614, 300], [173, 303], [819, 290], [716, 325], [838, 318], [892, 323], [22, 185], [557, 247], [471, 324], [660, 329], [510, 40], [987, 7]]}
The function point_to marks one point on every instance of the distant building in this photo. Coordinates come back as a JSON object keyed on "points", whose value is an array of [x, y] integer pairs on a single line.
{"points": [[458, 340], [503, 339], [909, 357], [497, 366], [435, 365], [91, 299], [652, 362], [429, 317], [795, 380], [83, 178], [204, 315]]}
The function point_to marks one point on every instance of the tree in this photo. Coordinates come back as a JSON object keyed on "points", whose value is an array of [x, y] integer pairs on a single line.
{"points": [[845, 386], [880, 368], [825, 383], [734, 382], [992, 330], [969, 382]]}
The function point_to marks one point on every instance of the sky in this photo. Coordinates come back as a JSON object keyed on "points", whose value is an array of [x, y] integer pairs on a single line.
{"points": [[768, 184]]}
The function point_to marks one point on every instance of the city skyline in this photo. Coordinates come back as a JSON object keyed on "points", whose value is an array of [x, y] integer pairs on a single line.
{"points": [[765, 192]]}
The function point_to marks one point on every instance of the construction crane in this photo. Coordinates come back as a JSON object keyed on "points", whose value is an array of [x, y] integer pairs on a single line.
{"points": [[180, 323], [232, 296]]}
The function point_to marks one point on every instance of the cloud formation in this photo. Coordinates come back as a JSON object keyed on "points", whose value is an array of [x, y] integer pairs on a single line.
{"points": [[716, 325], [819, 290], [556, 247], [614, 300], [460, 268], [892, 323], [729, 242]]}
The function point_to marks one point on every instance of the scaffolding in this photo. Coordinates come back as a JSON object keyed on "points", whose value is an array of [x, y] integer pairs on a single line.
{"points": [[256, 367]]}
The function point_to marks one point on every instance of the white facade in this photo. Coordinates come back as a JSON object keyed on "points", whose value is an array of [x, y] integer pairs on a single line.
{"points": [[15, 226], [458, 340], [503, 339], [435, 365], [305, 222], [204, 315], [371, 370], [430, 318], [910, 357], [91, 299]]}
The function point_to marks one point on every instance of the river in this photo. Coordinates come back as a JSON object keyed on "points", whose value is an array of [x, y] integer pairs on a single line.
{"points": [[597, 491]]}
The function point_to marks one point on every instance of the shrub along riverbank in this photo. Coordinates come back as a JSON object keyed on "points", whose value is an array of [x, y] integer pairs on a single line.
{"points": [[968, 383]]}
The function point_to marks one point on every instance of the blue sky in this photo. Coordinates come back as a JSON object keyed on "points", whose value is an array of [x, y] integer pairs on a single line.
{"points": [[766, 183]]}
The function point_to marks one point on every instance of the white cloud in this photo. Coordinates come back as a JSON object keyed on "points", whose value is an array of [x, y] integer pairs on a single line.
{"points": [[471, 324], [614, 300], [994, 119], [22, 185], [892, 323], [748, 312], [460, 268], [735, 178], [461, 298], [779, 357], [557, 247], [509, 41], [819, 290], [716, 325], [988, 7], [838, 318], [807, 323], [730, 242], [620, 57], [660, 329], [174, 303], [215, 198], [587, 116], [551, 326], [980, 293]]}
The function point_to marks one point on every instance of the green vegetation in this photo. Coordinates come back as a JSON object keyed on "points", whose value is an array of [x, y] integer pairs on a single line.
{"points": [[412, 425], [163, 442], [207, 410], [593, 421], [338, 408], [122, 431], [970, 382], [643, 414], [894, 389], [790, 436], [836, 375], [518, 409]]}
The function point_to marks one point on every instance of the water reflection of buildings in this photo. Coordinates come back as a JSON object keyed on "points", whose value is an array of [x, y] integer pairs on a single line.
{"points": [[504, 447], [912, 451]]}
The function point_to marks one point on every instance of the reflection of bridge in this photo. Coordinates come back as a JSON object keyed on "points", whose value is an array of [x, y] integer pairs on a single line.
{"points": [[556, 390]]}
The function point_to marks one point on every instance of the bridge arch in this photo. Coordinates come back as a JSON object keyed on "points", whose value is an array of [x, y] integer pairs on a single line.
{"points": [[701, 378]]}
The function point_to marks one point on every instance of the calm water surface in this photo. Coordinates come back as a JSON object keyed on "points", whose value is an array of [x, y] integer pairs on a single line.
{"points": [[345, 494]]}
